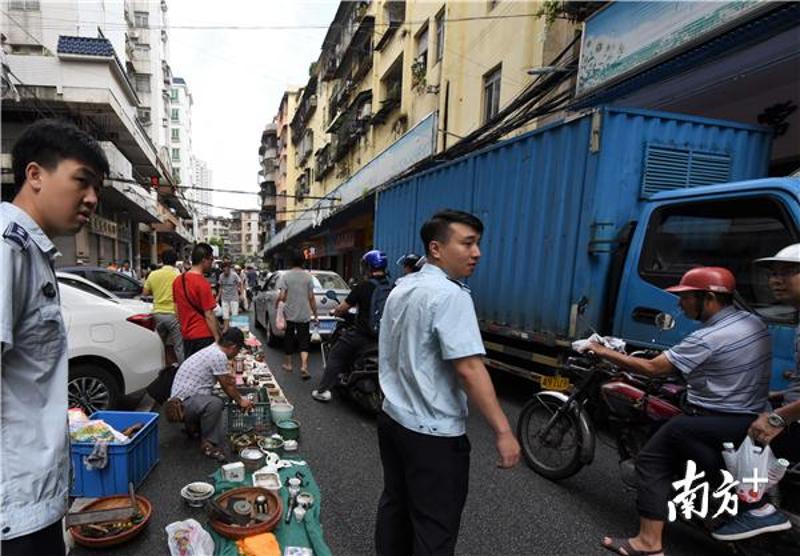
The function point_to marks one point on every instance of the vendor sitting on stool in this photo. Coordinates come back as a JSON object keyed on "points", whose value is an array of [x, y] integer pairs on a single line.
{"points": [[193, 384]]}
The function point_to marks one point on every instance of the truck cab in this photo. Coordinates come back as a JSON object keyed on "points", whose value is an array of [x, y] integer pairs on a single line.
{"points": [[729, 225]]}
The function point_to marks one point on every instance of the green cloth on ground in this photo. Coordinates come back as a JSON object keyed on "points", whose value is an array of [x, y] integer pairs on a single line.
{"points": [[307, 533]]}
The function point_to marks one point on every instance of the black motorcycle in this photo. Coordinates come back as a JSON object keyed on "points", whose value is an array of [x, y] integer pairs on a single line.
{"points": [[360, 384]]}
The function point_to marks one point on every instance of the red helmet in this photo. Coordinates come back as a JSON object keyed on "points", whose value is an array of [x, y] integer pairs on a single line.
{"points": [[706, 279]]}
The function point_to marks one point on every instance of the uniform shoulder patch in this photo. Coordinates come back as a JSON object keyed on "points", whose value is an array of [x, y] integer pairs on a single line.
{"points": [[17, 236]]}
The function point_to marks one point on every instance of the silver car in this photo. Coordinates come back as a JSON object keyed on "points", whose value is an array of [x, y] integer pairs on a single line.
{"points": [[324, 282]]}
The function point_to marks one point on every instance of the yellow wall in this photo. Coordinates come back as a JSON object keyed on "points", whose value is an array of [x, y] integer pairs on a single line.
{"points": [[504, 34]]}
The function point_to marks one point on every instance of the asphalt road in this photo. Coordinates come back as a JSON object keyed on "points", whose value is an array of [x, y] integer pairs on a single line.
{"points": [[514, 512]]}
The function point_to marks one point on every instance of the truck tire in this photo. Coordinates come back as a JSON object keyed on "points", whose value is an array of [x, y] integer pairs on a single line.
{"points": [[93, 388], [563, 439]]}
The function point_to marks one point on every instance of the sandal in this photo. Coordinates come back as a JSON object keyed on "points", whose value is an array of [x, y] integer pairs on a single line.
{"points": [[211, 451], [286, 368], [304, 374], [623, 547]]}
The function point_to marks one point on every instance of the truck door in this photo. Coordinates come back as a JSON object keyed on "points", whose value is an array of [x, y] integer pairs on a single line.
{"points": [[728, 231]]}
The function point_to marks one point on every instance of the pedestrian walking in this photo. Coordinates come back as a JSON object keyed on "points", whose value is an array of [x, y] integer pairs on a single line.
{"points": [[127, 270], [195, 303], [228, 294], [192, 389], [58, 171], [430, 352], [300, 307], [159, 285]]}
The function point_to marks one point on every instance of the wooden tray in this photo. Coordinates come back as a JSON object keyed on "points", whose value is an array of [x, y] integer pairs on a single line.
{"points": [[109, 503], [274, 511]]}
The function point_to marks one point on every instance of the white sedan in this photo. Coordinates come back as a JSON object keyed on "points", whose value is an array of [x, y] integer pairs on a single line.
{"points": [[112, 348]]}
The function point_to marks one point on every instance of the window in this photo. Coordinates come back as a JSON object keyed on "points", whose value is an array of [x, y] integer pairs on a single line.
{"points": [[142, 83], [731, 233], [115, 282], [176, 117], [176, 175], [176, 134], [24, 5], [142, 48], [328, 281], [176, 155], [141, 19], [173, 94], [144, 115], [440, 35], [421, 60], [491, 94]]}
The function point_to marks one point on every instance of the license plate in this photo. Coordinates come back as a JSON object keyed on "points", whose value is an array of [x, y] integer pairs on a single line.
{"points": [[327, 326], [558, 383]]}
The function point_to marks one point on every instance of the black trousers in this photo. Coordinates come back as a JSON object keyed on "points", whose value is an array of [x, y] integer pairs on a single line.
{"points": [[45, 542], [425, 483], [344, 353], [682, 438], [297, 337], [190, 347]]}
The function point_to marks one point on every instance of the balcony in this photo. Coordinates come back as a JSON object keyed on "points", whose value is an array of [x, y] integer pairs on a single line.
{"points": [[324, 162], [394, 14], [354, 39], [305, 109], [350, 125]]}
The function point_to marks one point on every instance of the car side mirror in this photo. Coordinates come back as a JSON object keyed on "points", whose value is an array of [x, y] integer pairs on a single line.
{"points": [[330, 294], [665, 321]]}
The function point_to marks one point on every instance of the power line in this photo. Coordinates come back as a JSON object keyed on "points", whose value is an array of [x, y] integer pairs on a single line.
{"points": [[241, 192]]}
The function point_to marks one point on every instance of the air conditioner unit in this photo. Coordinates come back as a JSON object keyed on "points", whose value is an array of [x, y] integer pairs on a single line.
{"points": [[135, 35], [312, 100]]}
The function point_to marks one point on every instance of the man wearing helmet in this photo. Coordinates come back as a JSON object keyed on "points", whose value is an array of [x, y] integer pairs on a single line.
{"points": [[349, 344], [410, 264], [780, 428], [727, 366]]}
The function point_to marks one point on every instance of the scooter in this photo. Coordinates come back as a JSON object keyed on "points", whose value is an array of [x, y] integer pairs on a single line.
{"points": [[361, 383]]}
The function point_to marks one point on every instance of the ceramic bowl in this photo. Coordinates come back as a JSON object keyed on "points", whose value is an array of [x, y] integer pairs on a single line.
{"points": [[196, 494]]}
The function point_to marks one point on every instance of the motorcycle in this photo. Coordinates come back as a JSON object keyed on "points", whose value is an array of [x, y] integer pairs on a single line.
{"points": [[558, 435], [360, 384]]}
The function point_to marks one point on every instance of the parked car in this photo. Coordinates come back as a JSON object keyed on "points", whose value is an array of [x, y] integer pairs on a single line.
{"points": [[112, 348], [115, 282], [90, 287], [324, 281]]}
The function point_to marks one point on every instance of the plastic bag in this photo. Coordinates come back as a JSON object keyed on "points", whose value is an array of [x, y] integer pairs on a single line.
{"points": [[95, 431], [188, 538], [280, 318], [610, 342], [749, 462]]}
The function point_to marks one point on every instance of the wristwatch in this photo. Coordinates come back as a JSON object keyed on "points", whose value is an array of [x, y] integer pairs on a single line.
{"points": [[776, 420]]}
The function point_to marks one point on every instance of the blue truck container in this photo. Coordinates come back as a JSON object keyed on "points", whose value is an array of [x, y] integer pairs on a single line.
{"points": [[561, 206]]}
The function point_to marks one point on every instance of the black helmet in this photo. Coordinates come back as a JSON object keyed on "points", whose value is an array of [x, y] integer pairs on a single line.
{"points": [[411, 259]]}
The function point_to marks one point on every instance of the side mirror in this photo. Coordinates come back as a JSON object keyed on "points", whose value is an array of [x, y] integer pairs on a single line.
{"points": [[330, 294], [664, 321]]}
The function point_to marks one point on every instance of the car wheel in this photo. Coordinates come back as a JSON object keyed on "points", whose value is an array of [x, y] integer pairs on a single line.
{"points": [[92, 388]]}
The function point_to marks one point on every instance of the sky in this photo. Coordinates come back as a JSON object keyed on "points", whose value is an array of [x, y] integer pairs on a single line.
{"points": [[237, 77]]}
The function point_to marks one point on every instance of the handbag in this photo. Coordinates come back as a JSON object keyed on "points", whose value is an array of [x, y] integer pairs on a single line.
{"points": [[174, 410], [280, 318]]}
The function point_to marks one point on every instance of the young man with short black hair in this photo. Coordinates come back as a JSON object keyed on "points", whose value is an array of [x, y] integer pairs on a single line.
{"points": [[58, 173], [195, 302], [430, 363]]}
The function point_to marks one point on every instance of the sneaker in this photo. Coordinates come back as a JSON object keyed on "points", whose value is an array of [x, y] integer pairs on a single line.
{"points": [[321, 396], [746, 525]]}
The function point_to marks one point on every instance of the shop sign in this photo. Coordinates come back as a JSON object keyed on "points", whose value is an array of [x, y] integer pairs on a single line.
{"points": [[627, 37], [103, 226]]}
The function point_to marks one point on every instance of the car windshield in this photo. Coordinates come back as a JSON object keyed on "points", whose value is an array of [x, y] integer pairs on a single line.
{"points": [[329, 281]]}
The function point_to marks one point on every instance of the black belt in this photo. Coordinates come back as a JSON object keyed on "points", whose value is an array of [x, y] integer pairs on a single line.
{"points": [[697, 411]]}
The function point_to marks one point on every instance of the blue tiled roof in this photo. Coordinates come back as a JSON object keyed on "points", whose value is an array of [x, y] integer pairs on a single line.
{"points": [[178, 80], [85, 46]]}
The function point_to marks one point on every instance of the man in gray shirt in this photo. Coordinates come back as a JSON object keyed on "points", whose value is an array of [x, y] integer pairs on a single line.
{"points": [[727, 366], [230, 291], [300, 307]]}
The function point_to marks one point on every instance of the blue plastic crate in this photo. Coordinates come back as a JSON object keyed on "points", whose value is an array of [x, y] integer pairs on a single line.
{"points": [[128, 462]]}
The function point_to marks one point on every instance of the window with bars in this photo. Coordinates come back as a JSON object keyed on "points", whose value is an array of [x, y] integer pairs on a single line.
{"points": [[176, 155], [142, 83], [176, 134], [422, 50], [491, 93], [173, 94], [176, 116]]}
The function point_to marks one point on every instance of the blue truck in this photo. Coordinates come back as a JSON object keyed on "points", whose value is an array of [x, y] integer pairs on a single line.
{"points": [[588, 219]]}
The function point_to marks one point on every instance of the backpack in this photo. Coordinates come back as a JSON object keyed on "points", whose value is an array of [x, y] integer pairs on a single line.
{"points": [[377, 302]]}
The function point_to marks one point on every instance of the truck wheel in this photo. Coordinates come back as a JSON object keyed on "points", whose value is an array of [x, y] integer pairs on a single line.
{"points": [[92, 388], [555, 455]]}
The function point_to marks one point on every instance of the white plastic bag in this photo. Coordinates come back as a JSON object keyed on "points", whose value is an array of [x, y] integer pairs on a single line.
{"points": [[610, 342], [280, 318], [188, 538], [750, 462]]}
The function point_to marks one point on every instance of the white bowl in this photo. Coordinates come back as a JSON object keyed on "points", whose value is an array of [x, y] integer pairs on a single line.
{"points": [[195, 494]]}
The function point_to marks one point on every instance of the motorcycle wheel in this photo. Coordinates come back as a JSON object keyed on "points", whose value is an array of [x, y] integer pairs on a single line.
{"points": [[555, 456]]}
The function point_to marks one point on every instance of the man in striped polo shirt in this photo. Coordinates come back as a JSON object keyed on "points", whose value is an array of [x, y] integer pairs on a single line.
{"points": [[727, 366]]}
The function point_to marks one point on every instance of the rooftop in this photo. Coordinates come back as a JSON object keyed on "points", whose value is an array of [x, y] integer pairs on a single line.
{"points": [[85, 46]]}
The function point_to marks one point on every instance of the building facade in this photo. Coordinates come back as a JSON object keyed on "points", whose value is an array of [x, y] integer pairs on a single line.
{"points": [[202, 182], [78, 61], [397, 83], [243, 234]]}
